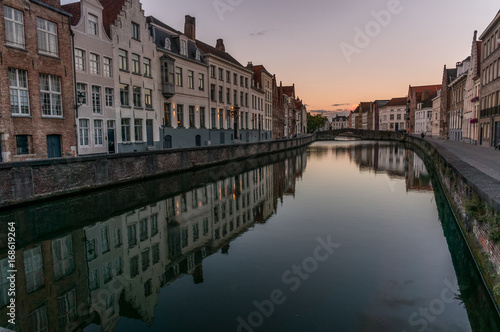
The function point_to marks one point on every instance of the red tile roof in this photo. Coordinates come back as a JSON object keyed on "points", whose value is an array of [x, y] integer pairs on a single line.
{"points": [[397, 101], [289, 91], [75, 10], [422, 88], [365, 106], [110, 12]]}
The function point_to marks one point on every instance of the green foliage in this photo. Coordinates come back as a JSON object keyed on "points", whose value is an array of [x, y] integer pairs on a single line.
{"points": [[315, 122], [474, 208], [494, 235], [496, 290]]}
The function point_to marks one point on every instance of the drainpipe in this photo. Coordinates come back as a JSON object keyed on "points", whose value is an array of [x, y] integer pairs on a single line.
{"points": [[74, 84]]}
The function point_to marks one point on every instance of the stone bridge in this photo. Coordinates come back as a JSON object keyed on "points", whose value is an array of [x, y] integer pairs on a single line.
{"points": [[359, 133]]}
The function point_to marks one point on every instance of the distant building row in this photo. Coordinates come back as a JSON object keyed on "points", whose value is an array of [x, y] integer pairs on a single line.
{"points": [[464, 107], [98, 76]]}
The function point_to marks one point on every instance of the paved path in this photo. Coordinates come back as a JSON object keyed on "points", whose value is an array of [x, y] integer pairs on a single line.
{"points": [[486, 160]]}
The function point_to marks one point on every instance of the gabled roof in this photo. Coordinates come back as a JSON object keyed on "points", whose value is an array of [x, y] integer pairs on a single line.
{"points": [[289, 91], [427, 88], [400, 101], [205, 48], [491, 25], [153, 20], [110, 12], [75, 10]]}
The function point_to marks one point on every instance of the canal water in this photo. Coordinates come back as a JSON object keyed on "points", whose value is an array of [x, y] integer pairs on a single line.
{"points": [[338, 236]]}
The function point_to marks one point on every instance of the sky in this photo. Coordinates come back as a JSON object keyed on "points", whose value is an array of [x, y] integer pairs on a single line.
{"points": [[337, 52]]}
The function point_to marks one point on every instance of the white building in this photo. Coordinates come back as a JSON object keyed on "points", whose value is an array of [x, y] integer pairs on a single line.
{"points": [[436, 113], [391, 116], [95, 79], [340, 122], [472, 95], [423, 117]]}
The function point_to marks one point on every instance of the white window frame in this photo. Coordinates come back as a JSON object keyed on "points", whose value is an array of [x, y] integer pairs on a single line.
{"points": [[67, 307], [109, 97], [96, 99], [33, 268], [81, 90], [93, 25], [138, 130], [54, 96], [79, 59], [47, 37], [98, 132], [107, 64], [39, 321], [62, 253], [184, 47], [94, 63], [83, 132], [19, 92], [14, 27]]}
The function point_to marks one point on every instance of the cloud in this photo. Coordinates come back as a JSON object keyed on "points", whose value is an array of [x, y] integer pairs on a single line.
{"points": [[337, 105], [258, 33]]}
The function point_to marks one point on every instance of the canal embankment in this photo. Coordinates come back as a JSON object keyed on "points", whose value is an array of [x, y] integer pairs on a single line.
{"points": [[475, 200], [29, 181]]}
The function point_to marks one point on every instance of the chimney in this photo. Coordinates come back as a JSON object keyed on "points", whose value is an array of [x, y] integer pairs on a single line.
{"points": [[190, 27], [220, 45]]}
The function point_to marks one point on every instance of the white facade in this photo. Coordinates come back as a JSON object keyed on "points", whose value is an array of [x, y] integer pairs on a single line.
{"points": [[95, 81], [423, 117], [436, 112], [391, 117], [340, 122], [136, 74]]}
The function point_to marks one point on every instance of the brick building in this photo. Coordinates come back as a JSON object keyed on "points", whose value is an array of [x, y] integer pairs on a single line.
{"points": [[278, 111], [37, 117], [416, 94]]}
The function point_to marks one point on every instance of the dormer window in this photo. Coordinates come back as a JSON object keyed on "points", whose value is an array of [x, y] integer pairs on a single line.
{"points": [[198, 55], [184, 48], [167, 44]]}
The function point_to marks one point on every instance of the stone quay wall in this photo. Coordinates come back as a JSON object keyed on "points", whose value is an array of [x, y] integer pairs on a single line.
{"points": [[22, 182]]}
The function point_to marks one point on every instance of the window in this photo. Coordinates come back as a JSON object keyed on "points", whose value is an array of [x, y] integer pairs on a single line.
{"points": [[132, 235], [84, 132], [235, 79], [212, 71], [19, 96], [198, 55], [62, 253], [94, 279], [125, 130], [135, 31], [392, 117], [137, 96], [50, 88], [190, 79], [191, 116], [246, 82], [90, 246], [33, 268], [92, 24], [134, 266], [148, 98], [96, 99], [107, 67], [221, 118], [79, 59], [98, 133], [117, 237], [147, 67], [138, 130], [212, 92], [180, 115], [178, 76], [39, 321], [145, 259], [213, 116], [184, 50], [124, 95], [118, 266], [106, 272], [201, 81], [167, 114], [14, 27], [228, 119], [221, 99], [108, 93], [148, 288], [81, 89], [228, 76], [221, 74], [123, 60], [241, 80], [167, 43], [47, 37], [136, 67], [154, 224], [202, 117], [155, 252], [67, 308]]}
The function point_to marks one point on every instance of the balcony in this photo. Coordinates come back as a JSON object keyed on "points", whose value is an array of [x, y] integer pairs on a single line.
{"points": [[168, 90], [490, 112]]}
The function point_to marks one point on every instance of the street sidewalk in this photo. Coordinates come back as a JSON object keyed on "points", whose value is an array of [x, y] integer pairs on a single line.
{"points": [[484, 159]]}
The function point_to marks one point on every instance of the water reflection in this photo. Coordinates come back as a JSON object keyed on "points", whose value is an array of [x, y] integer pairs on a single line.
{"points": [[94, 276]]}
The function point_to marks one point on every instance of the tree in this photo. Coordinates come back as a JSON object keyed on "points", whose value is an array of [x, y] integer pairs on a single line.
{"points": [[315, 122]]}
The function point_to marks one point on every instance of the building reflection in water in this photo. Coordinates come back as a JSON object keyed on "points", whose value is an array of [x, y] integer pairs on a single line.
{"points": [[116, 268]]}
